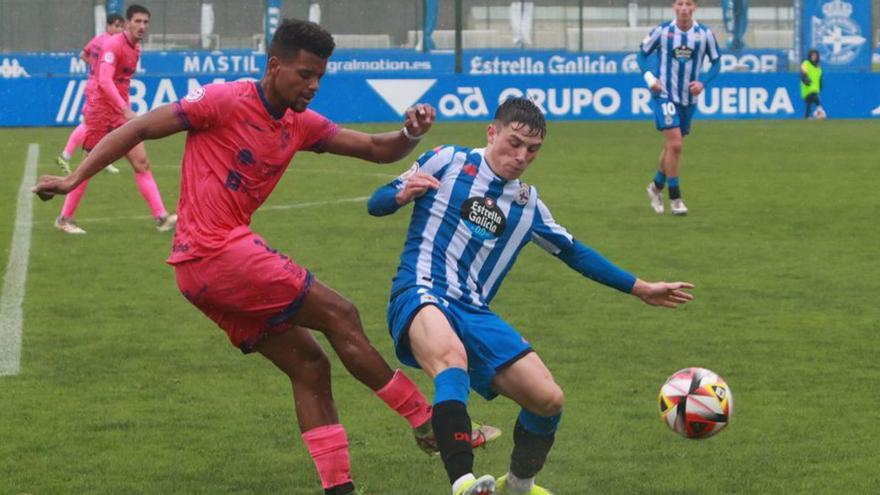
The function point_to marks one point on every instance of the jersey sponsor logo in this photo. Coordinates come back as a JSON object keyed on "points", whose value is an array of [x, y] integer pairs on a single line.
{"points": [[483, 217], [683, 52], [195, 95], [109, 57]]}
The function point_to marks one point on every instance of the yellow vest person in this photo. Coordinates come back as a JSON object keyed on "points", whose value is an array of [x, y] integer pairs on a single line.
{"points": [[811, 84]]}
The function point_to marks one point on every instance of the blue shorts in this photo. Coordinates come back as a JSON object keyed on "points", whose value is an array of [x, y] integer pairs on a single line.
{"points": [[490, 342], [669, 115]]}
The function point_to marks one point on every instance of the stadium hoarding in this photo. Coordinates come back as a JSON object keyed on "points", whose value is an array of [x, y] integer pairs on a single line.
{"points": [[56, 101], [840, 30], [399, 62]]}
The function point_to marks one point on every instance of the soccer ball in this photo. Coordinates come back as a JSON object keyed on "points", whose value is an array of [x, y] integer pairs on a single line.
{"points": [[819, 113], [696, 403]]}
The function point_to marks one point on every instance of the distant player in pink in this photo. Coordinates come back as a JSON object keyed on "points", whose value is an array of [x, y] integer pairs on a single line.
{"points": [[241, 136], [107, 108], [89, 55]]}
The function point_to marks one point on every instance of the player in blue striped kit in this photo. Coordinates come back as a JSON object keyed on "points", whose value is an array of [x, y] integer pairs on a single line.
{"points": [[680, 45], [471, 217]]}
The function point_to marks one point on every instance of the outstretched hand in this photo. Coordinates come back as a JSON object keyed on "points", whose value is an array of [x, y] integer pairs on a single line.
{"points": [[416, 186], [50, 185], [419, 119], [666, 294]]}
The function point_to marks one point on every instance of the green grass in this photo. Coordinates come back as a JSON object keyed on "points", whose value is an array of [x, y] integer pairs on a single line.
{"points": [[126, 388]]}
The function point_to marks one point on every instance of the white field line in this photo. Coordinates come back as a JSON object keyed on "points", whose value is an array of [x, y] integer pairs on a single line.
{"points": [[12, 297]]}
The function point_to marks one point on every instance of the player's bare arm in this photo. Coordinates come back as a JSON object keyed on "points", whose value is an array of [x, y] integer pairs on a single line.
{"points": [[666, 294], [385, 147], [156, 124]]}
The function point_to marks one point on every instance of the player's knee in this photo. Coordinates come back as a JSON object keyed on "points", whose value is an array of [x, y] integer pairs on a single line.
{"points": [[674, 146], [348, 313], [551, 403], [140, 165], [315, 363]]}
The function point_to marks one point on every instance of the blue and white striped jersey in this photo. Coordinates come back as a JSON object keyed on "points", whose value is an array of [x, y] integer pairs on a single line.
{"points": [[680, 57], [464, 237]]}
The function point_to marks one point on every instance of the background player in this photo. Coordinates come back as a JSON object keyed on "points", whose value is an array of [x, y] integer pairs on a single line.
{"points": [[681, 45], [89, 55], [107, 108], [472, 216], [811, 84], [241, 138]]}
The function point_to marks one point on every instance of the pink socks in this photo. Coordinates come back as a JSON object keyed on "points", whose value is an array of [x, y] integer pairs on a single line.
{"points": [[146, 184], [402, 395], [150, 192], [328, 446], [76, 138], [71, 201]]}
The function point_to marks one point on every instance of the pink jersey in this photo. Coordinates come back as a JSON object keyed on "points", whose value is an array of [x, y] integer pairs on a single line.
{"points": [[236, 152], [92, 51], [116, 65]]}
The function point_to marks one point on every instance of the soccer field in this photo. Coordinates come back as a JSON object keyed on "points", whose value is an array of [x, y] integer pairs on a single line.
{"points": [[126, 388]]}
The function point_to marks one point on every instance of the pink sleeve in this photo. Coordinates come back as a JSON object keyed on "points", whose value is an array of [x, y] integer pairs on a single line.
{"points": [[205, 107], [317, 130], [89, 47], [106, 70]]}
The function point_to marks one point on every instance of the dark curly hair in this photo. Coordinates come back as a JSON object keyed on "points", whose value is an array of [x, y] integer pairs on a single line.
{"points": [[524, 112], [294, 35]]}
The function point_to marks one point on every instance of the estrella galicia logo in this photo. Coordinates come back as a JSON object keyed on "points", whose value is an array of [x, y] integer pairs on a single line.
{"points": [[683, 52], [837, 37], [483, 217]]}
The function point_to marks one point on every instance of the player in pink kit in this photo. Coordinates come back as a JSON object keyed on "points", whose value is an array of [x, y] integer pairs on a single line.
{"points": [[89, 55], [241, 137], [107, 108]]}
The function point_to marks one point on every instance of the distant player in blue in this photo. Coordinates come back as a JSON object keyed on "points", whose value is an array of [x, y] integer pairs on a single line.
{"points": [[472, 216], [680, 45]]}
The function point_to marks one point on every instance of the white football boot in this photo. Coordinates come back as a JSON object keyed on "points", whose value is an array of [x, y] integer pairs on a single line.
{"points": [[68, 226], [678, 207], [655, 197]]}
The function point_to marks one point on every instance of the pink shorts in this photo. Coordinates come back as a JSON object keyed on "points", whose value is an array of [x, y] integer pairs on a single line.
{"points": [[249, 289], [98, 126]]}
